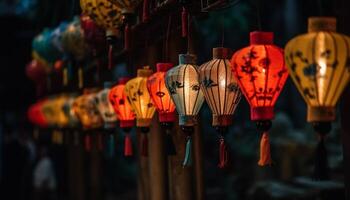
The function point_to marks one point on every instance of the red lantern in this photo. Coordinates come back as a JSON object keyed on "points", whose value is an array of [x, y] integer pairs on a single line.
{"points": [[125, 115], [36, 72], [93, 34], [36, 116], [261, 74], [163, 102]]}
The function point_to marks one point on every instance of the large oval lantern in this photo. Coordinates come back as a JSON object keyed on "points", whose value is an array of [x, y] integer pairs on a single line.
{"points": [[183, 85], [318, 63], [261, 74], [222, 94]]}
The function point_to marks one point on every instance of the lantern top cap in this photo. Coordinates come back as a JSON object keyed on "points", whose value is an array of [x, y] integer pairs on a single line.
{"points": [[107, 84], [164, 67], [144, 72], [187, 59], [316, 24], [123, 80], [261, 38], [221, 53]]}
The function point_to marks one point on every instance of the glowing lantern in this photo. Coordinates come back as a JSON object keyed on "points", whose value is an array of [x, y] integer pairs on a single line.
{"points": [[67, 109], [123, 110], [86, 111], [36, 71], [162, 101], [36, 115], [182, 82], [261, 75], [94, 35], [318, 63], [222, 93], [141, 103]]}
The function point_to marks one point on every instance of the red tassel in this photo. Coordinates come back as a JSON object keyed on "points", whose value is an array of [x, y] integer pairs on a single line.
{"points": [[145, 16], [100, 142], [110, 57], [223, 154], [127, 38], [88, 143], [144, 148], [128, 145], [184, 21], [265, 154]]}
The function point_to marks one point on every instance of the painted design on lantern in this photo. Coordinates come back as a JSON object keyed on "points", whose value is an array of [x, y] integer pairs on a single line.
{"points": [[195, 87], [174, 86]]}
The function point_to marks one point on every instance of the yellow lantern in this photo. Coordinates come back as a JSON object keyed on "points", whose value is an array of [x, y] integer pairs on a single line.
{"points": [[222, 94], [141, 102], [183, 85], [318, 63]]}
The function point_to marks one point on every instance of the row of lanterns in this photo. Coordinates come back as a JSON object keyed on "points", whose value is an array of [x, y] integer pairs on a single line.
{"points": [[318, 63]]}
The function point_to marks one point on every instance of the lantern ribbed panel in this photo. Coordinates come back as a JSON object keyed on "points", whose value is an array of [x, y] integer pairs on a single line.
{"points": [[182, 82], [122, 108], [318, 63], [220, 89], [261, 73], [86, 111], [160, 95], [105, 108], [139, 98]]}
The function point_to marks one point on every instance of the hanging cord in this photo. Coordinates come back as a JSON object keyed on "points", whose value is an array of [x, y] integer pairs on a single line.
{"points": [[258, 14], [110, 56], [184, 22], [321, 168], [127, 37], [145, 16], [167, 57], [223, 35], [265, 151], [188, 130], [189, 34]]}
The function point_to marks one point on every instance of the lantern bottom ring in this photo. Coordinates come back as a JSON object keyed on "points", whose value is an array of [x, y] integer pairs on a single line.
{"points": [[262, 113], [320, 114]]}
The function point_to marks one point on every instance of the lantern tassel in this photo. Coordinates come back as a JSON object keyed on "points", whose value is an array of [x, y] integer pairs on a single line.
{"points": [[87, 143], [265, 154], [127, 38], [144, 148], [145, 16], [223, 154], [321, 168], [170, 146], [128, 145], [184, 21], [111, 146], [110, 57], [100, 142], [188, 153]]}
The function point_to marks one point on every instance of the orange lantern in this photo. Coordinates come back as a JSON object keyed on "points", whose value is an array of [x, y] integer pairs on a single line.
{"points": [[123, 110], [163, 102], [261, 74]]}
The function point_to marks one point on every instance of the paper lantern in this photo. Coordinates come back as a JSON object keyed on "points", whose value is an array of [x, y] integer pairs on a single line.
{"points": [[123, 110], [105, 107], [67, 108], [261, 74], [141, 103], [35, 114], [86, 111], [36, 72], [183, 85], [318, 63], [163, 102], [222, 94], [93, 34]]}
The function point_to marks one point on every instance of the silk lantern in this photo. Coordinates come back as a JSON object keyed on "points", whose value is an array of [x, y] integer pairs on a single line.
{"points": [[222, 94], [163, 102], [183, 85], [141, 103], [108, 115], [86, 111], [123, 110], [261, 74], [318, 63], [106, 15]]}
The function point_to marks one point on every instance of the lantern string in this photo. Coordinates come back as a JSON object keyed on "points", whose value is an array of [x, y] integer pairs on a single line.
{"points": [[128, 145], [265, 154], [87, 142], [321, 168], [110, 56], [188, 152], [167, 39], [111, 145], [144, 147]]}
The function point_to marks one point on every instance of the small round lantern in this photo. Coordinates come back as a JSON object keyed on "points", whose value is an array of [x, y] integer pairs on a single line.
{"points": [[141, 103], [163, 102], [318, 63], [183, 85], [261, 75], [123, 110], [222, 94]]}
